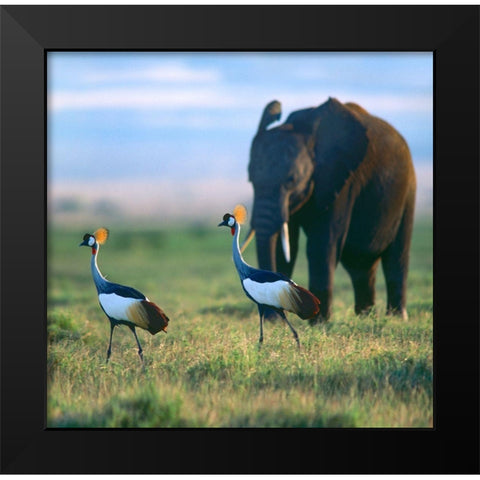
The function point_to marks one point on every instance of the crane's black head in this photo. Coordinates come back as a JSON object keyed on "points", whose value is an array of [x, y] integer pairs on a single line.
{"points": [[228, 221], [88, 240], [98, 237], [239, 216]]}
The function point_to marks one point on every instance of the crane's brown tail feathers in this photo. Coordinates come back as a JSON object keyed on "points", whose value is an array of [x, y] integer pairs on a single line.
{"points": [[303, 303], [149, 316]]}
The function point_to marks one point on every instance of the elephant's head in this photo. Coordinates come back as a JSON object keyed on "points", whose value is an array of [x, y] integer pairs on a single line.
{"points": [[280, 169], [312, 153]]}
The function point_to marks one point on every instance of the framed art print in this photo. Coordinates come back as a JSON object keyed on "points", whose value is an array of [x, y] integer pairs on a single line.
{"points": [[156, 147], [135, 132]]}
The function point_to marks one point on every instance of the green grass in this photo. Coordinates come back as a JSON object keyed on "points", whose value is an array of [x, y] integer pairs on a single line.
{"points": [[370, 371]]}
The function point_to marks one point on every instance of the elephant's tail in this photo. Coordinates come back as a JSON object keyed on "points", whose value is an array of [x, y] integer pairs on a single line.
{"points": [[271, 113]]}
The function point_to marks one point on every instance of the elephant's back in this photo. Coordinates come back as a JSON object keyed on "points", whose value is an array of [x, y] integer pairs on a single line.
{"points": [[355, 108]]}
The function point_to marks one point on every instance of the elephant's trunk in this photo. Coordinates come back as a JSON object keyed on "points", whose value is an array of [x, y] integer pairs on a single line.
{"points": [[284, 236], [266, 251], [269, 219]]}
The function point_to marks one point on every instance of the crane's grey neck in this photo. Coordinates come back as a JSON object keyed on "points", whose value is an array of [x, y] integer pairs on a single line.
{"points": [[99, 280], [242, 267]]}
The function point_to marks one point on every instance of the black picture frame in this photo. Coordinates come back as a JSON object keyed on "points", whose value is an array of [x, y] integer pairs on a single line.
{"points": [[28, 32]]}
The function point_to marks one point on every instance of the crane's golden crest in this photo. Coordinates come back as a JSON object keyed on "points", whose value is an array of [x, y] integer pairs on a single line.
{"points": [[240, 213], [101, 235]]}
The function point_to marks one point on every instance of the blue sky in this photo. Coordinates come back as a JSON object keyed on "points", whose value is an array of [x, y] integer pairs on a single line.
{"points": [[180, 117]]}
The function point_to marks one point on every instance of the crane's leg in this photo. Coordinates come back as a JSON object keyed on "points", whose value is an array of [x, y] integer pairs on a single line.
{"points": [[140, 351], [109, 351], [295, 334], [261, 311]]}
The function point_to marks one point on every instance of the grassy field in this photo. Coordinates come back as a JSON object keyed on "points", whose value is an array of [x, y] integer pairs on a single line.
{"points": [[371, 371]]}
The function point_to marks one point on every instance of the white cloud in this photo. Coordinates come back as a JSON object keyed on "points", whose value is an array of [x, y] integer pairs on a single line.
{"points": [[220, 98], [138, 99], [374, 103], [200, 119], [174, 72], [367, 78]]}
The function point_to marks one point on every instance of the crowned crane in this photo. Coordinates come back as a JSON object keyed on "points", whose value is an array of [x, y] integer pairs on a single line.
{"points": [[123, 305], [265, 288]]}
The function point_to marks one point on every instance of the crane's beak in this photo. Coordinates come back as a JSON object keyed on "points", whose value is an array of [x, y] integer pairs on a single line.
{"points": [[222, 224], [83, 244]]}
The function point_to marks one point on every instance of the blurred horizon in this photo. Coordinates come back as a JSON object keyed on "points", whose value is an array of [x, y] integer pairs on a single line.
{"points": [[165, 136]]}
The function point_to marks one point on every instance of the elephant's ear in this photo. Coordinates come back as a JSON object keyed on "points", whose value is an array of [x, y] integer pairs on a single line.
{"points": [[340, 146], [303, 121], [271, 113]]}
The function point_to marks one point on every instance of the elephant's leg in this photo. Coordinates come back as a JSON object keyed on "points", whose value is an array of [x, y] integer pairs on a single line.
{"points": [[363, 280], [395, 266], [395, 272], [322, 261]]}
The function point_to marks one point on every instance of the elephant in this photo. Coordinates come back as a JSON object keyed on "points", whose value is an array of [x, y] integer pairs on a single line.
{"points": [[347, 179]]}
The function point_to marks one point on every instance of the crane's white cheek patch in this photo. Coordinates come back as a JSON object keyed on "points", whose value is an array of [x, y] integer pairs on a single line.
{"points": [[277, 294], [116, 306]]}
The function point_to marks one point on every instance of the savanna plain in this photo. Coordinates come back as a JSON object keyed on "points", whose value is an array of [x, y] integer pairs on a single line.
{"points": [[208, 370]]}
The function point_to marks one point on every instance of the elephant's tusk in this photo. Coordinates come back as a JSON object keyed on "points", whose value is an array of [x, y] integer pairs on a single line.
{"points": [[247, 240], [286, 242]]}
